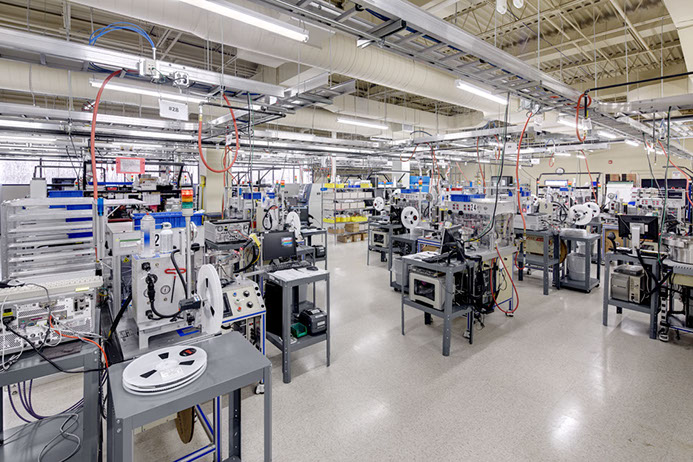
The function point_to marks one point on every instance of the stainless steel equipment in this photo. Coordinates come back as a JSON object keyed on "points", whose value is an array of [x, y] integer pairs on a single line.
{"points": [[680, 248], [227, 231]]}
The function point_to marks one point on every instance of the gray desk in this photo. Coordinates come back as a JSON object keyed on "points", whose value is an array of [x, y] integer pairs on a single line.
{"points": [[34, 436], [288, 279], [652, 309], [543, 263], [232, 363]]}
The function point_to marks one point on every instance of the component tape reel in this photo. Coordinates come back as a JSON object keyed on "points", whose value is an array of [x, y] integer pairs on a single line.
{"points": [[410, 217], [164, 370], [379, 204]]}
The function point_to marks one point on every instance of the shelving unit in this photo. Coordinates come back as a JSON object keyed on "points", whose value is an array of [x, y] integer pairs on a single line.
{"points": [[337, 201]]}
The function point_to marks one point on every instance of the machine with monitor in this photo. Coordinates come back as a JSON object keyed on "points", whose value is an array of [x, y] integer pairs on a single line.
{"points": [[278, 245], [638, 227]]}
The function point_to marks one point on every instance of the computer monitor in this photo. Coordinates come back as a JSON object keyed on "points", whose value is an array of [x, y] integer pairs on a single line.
{"points": [[647, 226], [451, 237], [278, 244]]}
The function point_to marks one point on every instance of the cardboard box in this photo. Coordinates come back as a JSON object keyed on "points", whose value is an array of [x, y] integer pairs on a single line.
{"points": [[345, 238], [352, 227], [357, 237], [333, 230], [364, 236]]}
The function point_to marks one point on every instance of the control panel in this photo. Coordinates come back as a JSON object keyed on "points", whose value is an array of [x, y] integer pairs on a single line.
{"points": [[242, 298]]}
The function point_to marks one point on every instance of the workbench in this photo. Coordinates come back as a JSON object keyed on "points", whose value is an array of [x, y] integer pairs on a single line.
{"points": [[386, 250], [652, 308], [589, 241], [232, 363], [30, 439], [544, 262], [288, 279]]}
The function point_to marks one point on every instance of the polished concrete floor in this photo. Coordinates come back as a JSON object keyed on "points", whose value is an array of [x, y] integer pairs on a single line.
{"points": [[550, 384]]}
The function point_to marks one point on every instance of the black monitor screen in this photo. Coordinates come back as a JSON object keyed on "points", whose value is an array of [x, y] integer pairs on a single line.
{"points": [[450, 237], [278, 244], [650, 226]]}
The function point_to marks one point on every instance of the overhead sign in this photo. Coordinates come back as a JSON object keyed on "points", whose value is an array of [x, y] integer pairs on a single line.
{"points": [[130, 165], [173, 110]]}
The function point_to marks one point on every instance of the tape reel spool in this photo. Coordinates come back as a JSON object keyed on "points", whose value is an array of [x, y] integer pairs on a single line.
{"points": [[410, 217], [209, 290], [164, 370], [379, 204]]}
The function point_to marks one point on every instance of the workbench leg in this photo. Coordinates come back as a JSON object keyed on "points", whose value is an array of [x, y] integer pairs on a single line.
{"points": [[91, 413], [235, 421], [287, 310], [557, 267], [327, 329], [588, 265], [123, 445], [605, 308], [216, 415], [405, 276], [447, 317], [428, 319], [547, 268], [268, 413]]}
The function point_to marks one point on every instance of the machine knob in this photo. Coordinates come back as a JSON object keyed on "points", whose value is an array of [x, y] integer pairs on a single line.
{"points": [[249, 304], [246, 293]]}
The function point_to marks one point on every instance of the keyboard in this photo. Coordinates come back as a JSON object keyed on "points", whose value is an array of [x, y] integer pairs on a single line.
{"points": [[289, 265]]}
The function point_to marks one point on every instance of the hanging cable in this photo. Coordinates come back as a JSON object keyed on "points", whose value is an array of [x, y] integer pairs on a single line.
{"points": [[517, 172], [594, 193], [94, 175], [688, 178], [478, 160], [517, 295], [199, 141], [579, 106]]}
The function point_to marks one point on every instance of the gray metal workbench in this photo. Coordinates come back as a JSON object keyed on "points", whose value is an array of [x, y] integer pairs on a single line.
{"points": [[309, 234], [30, 439], [288, 279], [652, 308], [682, 269], [382, 250], [589, 282], [449, 311], [232, 363], [545, 262]]}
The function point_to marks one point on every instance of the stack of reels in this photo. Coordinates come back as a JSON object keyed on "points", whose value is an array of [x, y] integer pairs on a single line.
{"points": [[164, 370]]}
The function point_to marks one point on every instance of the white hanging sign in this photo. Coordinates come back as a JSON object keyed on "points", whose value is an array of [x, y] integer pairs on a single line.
{"points": [[173, 110]]}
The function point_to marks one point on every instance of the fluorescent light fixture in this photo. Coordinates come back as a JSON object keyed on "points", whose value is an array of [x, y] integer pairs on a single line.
{"points": [[562, 154], [20, 124], [484, 161], [608, 135], [362, 123], [632, 143], [569, 122], [163, 135], [147, 92], [462, 85], [579, 156], [27, 139], [251, 17]]}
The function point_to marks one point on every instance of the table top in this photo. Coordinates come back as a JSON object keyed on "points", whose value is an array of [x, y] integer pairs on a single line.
{"points": [[297, 274], [232, 363]]}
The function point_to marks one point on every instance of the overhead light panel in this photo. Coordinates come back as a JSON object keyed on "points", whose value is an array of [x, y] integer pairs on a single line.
{"points": [[462, 85], [562, 154], [632, 143], [27, 139], [569, 122], [19, 124], [579, 156], [608, 135], [253, 18], [148, 92], [362, 123]]}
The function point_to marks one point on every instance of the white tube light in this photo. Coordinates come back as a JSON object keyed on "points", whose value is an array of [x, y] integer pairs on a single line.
{"points": [[20, 124], [163, 135], [484, 161], [462, 85], [27, 139], [579, 156], [253, 18], [562, 154], [569, 122], [362, 123], [609, 135], [632, 142], [146, 92]]}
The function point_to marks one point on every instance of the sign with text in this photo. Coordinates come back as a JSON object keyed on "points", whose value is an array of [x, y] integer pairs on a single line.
{"points": [[173, 110], [130, 165]]}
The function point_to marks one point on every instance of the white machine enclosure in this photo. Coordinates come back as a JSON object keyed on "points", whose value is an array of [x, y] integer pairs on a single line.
{"points": [[427, 288], [169, 288], [379, 238], [242, 298], [72, 304]]}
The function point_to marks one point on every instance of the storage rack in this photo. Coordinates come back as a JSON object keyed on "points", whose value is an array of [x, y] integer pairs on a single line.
{"points": [[47, 236], [337, 205]]}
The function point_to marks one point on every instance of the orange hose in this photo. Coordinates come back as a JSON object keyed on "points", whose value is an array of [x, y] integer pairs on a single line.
{"points": [[461, 172], [577, 115], [590, 174], [517, 172], [199, 142], [94, 175], [688, 178], [478, 160], [50, 322]]}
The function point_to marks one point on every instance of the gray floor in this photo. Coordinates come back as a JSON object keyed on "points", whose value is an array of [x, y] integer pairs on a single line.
{"points": [[549, 384]]}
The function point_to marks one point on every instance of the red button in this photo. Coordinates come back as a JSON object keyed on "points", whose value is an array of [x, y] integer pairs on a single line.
{"points": [[239, 308]]}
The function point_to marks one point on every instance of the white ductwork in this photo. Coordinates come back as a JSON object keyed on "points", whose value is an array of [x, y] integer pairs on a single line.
{"points": [[338, 53], [682, 15]]}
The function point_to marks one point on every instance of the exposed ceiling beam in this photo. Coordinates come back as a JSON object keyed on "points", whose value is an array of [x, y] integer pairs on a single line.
{"points": [[634, 32]]}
